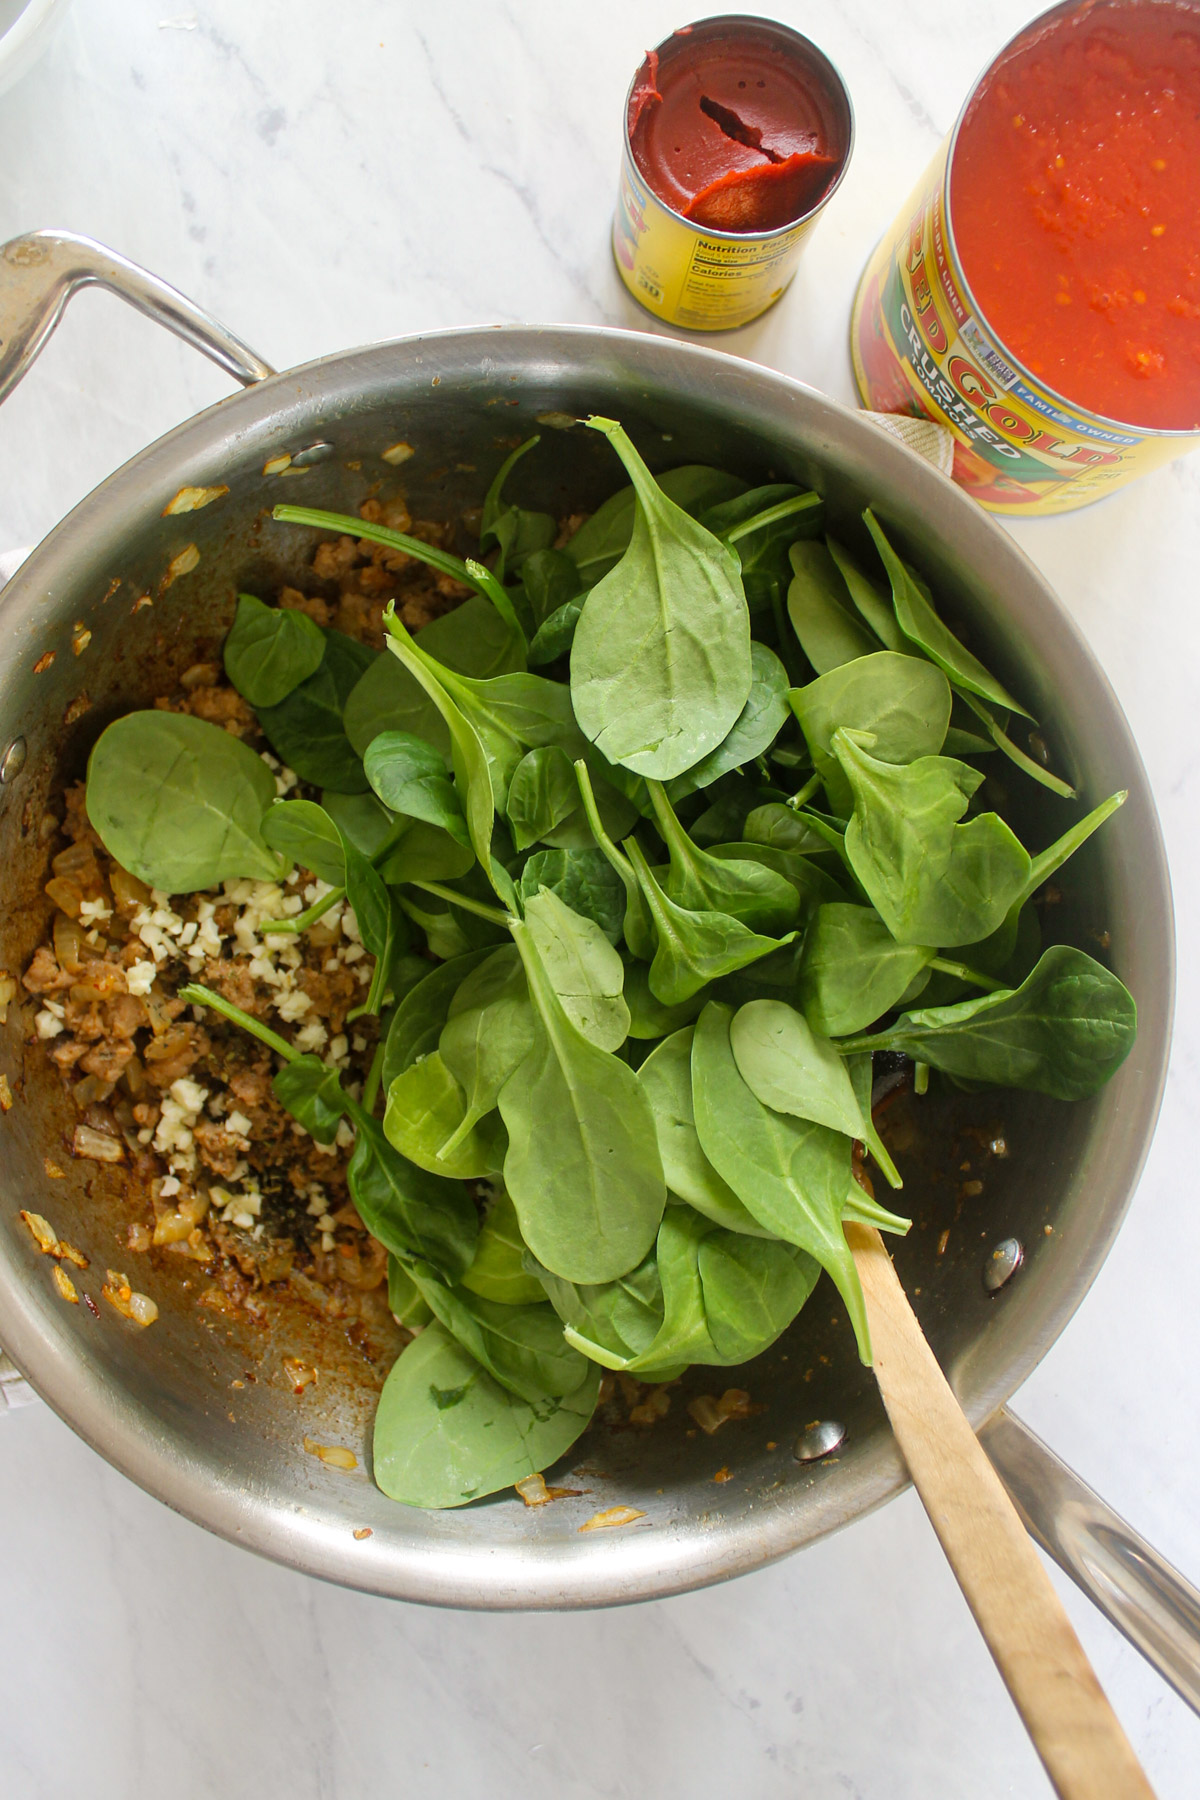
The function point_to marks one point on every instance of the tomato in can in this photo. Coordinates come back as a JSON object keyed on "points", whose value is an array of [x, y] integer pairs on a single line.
{"points": [[1040, 292], [737, 133]]}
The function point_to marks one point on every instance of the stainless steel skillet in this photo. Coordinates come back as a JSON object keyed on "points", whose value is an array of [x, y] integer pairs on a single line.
{"points": [[154, 589]]}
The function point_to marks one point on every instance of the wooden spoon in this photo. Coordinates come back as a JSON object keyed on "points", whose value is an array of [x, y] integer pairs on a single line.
{"points": [[1074, 1730]]}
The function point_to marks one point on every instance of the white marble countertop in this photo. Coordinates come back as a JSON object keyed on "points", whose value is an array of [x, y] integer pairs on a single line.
{"points": [[324, 175]]}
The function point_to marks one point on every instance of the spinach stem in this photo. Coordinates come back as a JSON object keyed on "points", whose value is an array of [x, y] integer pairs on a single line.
{"points": [[805, 794], [783, 509], [441, 560], [491, 913], [962, 973], [920, 1078], [301, 921], [500, 598], [374, 1077], [196, 995]]}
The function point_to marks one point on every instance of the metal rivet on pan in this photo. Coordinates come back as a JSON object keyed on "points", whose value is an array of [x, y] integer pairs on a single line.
{"points": [[312, 453], [818, 1440], [1003, 1264], [13, 760]]}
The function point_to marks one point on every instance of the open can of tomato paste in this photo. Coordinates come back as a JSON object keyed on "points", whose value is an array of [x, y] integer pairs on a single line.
{"points": [[1040, 292], [737, 133]]}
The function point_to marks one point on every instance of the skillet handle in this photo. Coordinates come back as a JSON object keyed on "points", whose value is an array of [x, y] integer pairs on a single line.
{"points": [[1136, 1590], [40, 272]]}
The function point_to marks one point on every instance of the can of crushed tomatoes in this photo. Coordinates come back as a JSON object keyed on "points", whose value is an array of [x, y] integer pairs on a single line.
{"points": [[1039, 294], [737, 133]]}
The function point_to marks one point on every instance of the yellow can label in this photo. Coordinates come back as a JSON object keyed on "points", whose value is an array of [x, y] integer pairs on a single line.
{"points": [[708, 281], [919, 347]]}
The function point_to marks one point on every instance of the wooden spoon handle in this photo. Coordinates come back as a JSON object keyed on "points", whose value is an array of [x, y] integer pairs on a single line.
{"points": [[1074, 1729]]}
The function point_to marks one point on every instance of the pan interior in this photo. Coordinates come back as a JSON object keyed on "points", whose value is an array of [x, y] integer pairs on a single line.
{"points": [[165, 1404]]}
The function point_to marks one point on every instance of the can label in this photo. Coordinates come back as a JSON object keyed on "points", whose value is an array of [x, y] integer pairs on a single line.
{"points": [[919, 347], [708, 281]]}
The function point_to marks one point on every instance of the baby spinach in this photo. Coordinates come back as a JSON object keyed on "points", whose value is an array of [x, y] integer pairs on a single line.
{"points": [[582, 1167], [693, 947], [920, 623], [405, 1301], [829, 633], [901, 701], [666, 1077], [760, 526], [877, 612], [852, 970], [660, 665], [639, 932], [521, 1347], [602, 540], [312, 1093], [621, 1317], [791, 1174], [543, 793], [417, 1022], [428, 1123], [488, 1031], [446, 1433], [755, 728], [648, 1017], [1065, 1030], [932, 880], [791, 1068], [753, 1288], [410, 777], [380, 922], [498, 1270], [180, 803], [551, 581], [584, 880], [304, 833], [270, 650], [517, 532], [555, 635], [412, 1211], [703, 881], [306, 729], [584, 970]]}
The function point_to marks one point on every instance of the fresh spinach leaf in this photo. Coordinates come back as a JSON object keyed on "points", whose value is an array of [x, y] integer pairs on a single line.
{"points": [[648, 1017], [517, 532], [622, 1317], [693, 948], [405, 1300], [270, 650], [852, 970], [312, 1093], [521, 1347], [498, 1272], [582, 1167], [410, 777], [932, 880], [755, 729], [702, 881], [793, 1069], [381, 923], [874, 608], [829, 633], [584, 880], [488, 1031], [660, 665], [410, 1210], [550, 580], [446, 1433], [791, 1174], [666, 1077], [180, 803], [417, 1021], [752, 1289], [602, 540], [303, 833], [306, 728], [543, 794], [556, 634], [427, 1122], [920, 623], [902, 702], [1065, 1030], [583, 968]]}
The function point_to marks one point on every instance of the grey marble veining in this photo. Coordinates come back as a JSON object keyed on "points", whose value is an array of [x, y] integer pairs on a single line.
{"points": [[321, 176]]}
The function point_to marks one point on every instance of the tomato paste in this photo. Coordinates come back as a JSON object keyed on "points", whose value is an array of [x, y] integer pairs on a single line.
{"points": [[734, 131], [1075, 205]]}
